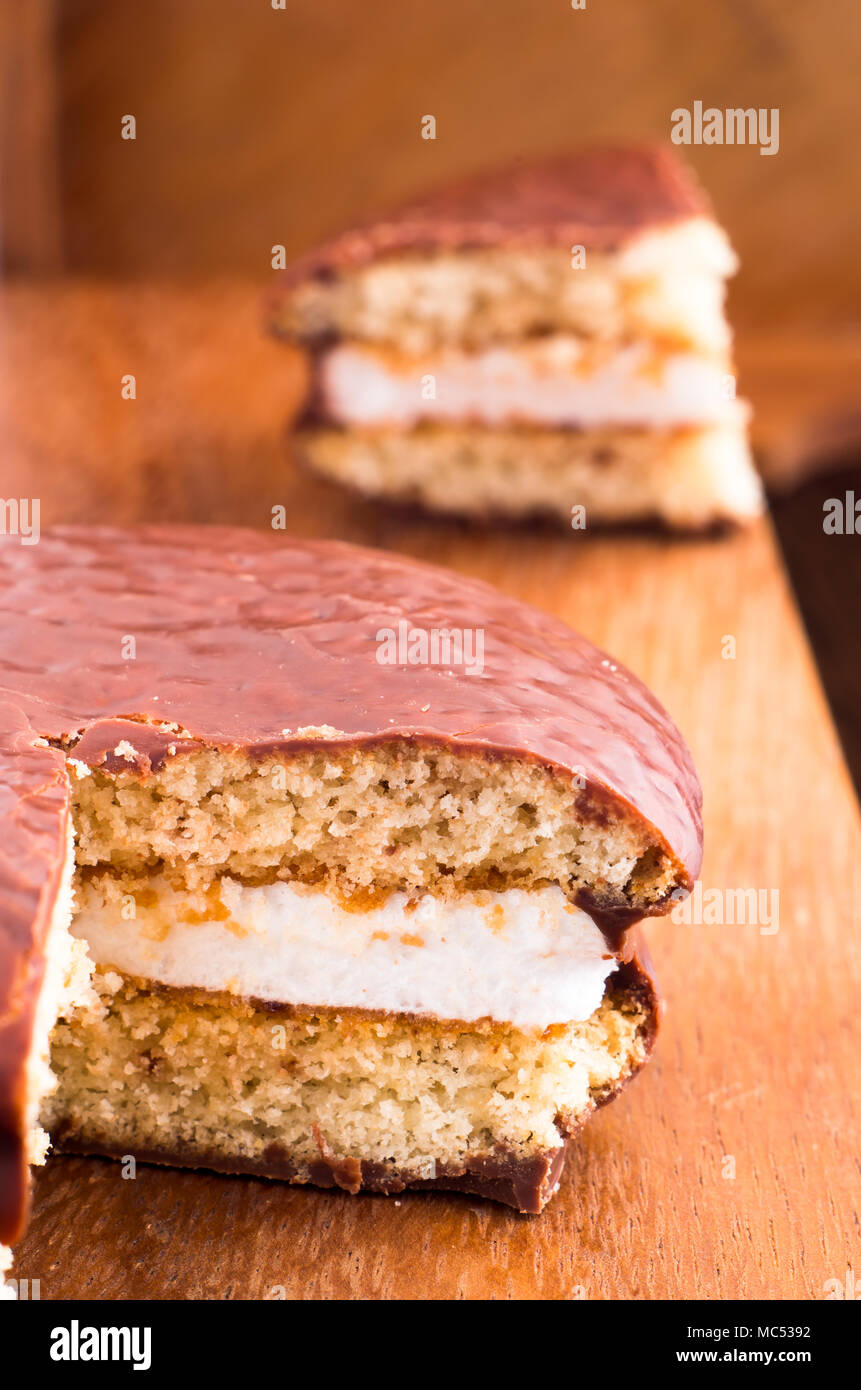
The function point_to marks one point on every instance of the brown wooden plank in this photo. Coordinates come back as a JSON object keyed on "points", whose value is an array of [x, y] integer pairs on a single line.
{"points": [[759, 1059]]}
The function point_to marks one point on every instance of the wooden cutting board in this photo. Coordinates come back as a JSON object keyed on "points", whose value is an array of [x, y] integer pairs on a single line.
{"points": [[728, 1168]]}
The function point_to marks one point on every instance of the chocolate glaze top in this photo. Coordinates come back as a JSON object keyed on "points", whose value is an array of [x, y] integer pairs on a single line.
{"points": [[597, 198], [247, 640]]}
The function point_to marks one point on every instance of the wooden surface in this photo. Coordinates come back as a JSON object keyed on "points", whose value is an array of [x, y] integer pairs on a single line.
{"points": [[259, 126], [758, 1063]]}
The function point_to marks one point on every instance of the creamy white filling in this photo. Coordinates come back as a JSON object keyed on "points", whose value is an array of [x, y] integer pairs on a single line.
{"points": [[526, 958], [554, 381], [695, 247]]}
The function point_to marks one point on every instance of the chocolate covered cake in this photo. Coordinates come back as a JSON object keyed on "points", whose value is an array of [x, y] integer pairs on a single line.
{"points": [[357, 913], [548, 340]]}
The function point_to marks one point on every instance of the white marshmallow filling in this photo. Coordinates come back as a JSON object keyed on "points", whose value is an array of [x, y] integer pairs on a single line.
{"points": [[556, 381], [525, 958]]}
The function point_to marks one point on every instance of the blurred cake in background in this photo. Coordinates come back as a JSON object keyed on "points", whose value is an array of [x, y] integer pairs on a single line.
{"points": [[548, 341]]}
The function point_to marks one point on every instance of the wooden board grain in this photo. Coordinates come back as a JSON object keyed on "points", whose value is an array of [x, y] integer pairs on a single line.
{"points": [[728, 1169]]}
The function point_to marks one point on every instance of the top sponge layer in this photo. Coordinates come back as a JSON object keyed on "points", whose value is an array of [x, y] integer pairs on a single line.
{"points": [[134, 648], [611, 245]]}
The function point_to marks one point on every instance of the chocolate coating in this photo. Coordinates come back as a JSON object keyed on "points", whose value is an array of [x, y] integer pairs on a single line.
{"points": [[597, 198], [526, 1184], [34, 812], [249, 640]]}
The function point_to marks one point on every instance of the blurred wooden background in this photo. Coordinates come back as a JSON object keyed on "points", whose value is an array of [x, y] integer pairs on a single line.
{"points": [[258, 126]]}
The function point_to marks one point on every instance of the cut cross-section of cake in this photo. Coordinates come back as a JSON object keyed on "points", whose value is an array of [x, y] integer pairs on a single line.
{"points": [[358, 847], [545, 340]]}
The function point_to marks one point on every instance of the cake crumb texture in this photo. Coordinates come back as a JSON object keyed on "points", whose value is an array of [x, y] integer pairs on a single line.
{"points": [[182, 1071], [396, 818], [688, 478], [474, 297]]}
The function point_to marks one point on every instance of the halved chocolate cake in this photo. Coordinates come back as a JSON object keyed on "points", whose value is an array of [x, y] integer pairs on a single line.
{"points": [[355, 846], [547, 340]]}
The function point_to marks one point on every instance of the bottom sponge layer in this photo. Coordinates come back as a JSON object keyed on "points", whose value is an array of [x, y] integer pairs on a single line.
{"points": [[375, 1100], [690, 479]]}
